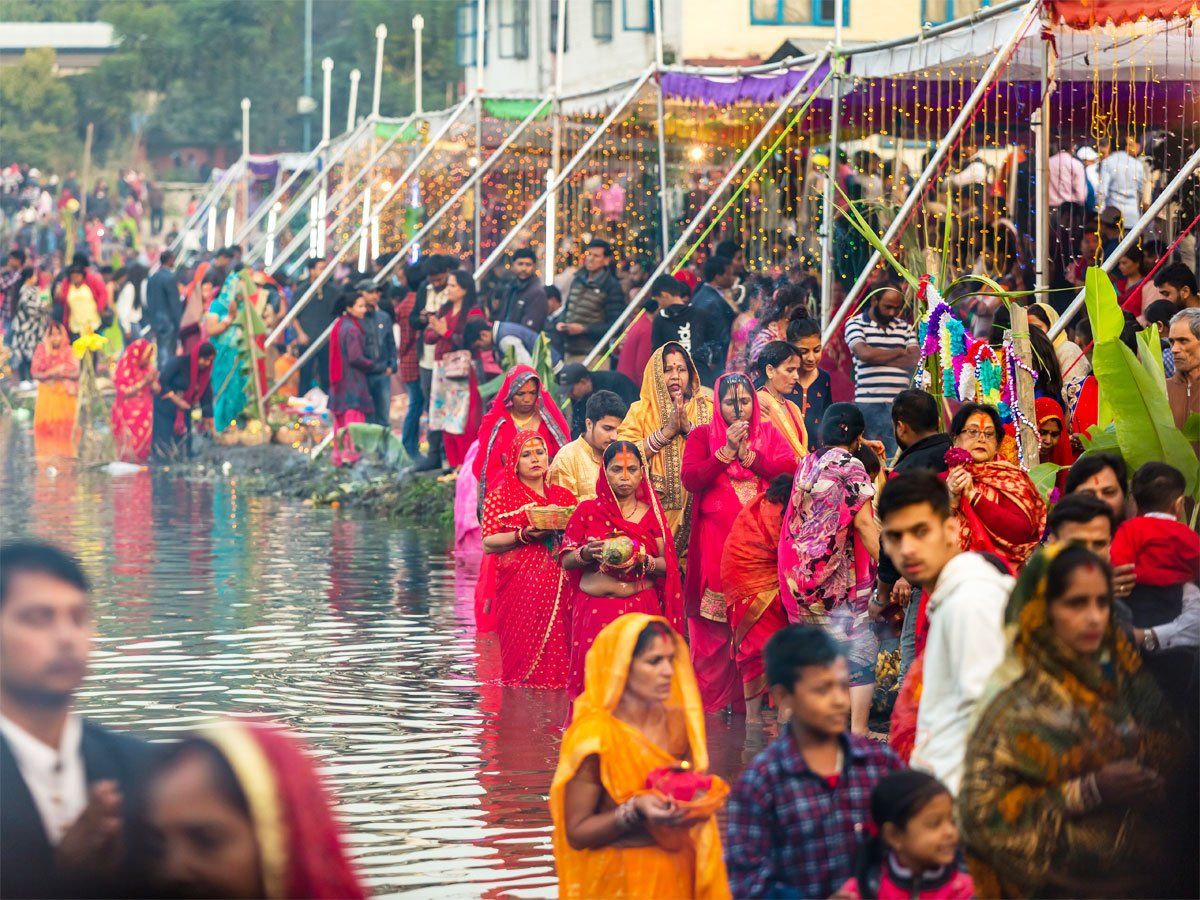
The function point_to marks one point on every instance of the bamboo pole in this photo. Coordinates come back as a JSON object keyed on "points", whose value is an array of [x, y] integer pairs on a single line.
{"points": [[1026, 436]]}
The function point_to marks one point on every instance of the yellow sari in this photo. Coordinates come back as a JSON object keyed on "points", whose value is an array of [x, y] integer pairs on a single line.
{"points": [[645, 417], [695, 867], [787, 419]]}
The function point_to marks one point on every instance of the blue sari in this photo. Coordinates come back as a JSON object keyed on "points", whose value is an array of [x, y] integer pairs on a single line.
{"points": [[229, 380]]}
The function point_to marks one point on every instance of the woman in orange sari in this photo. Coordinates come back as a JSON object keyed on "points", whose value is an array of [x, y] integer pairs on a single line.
{"points": [[778, 365], [56, 371], [750, 573], [254, 786], [531, 588], [605, 587], [633, 807], [133, 404]]}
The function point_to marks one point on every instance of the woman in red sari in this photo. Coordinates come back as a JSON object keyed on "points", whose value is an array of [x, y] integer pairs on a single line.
{"points": [[750, 576], [256, 788], [1054, 439], [531, 588], [133, 404], [726, 464], [522, 404], [607, 584]]}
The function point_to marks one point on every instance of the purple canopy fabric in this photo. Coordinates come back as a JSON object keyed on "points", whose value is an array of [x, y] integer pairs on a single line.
{"points": [[266, 170], [746, 89]]}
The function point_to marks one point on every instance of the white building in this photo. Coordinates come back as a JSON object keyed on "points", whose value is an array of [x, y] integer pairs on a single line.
{"points": [[610, 40], [77, 46]]}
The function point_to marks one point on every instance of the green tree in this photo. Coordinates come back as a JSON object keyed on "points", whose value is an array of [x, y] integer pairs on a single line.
{"points": [[37, 113]]}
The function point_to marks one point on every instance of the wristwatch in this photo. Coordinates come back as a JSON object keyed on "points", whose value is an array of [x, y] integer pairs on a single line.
{"points": [[1149, 640]]}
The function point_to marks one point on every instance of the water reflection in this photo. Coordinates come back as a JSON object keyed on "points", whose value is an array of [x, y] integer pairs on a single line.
{"points": [[357, 634]]}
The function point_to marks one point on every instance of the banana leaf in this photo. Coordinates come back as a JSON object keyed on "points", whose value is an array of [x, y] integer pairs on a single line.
{"points": [[1150, 353], [1136, 393], [1191, 428], [1100, 440], [1043, 476]]}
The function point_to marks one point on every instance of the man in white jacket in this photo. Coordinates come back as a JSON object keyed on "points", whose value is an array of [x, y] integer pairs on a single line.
{"points": [[967, 598]]}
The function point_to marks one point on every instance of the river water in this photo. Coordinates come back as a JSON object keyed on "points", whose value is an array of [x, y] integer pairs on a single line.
{"points": [[356, 633]]}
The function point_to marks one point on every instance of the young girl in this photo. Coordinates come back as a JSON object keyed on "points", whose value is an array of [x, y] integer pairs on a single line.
{"points": [[915, 852]]}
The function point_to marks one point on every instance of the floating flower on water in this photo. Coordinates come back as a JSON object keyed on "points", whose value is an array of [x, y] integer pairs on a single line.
{"points": [[88, 343]]}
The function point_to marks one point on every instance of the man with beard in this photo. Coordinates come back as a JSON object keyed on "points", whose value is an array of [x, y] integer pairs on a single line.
{"points": [[885, 353], [65, 780]]}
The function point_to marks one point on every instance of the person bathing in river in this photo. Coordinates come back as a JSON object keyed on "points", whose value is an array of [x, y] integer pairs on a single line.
{"points": [[186, 384], [531, 595], [611, 578]]}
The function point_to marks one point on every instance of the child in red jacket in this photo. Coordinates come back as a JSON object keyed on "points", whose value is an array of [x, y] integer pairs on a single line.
{"points": [[913, 851], [1164, 551]]}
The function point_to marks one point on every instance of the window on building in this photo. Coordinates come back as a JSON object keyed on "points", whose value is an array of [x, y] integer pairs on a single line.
{"points": [[936, 12], [637, 15], [798, 12], [514, 29], [602, 20], [464, 34], [554, 28]]}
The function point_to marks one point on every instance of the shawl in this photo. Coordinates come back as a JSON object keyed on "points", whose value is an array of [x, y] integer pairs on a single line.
{"points": [[132, 367], [1047, 719], [46, 358], [488, 463], [788, 421], [626, 758], [193, 310], [199, 379], [299, 840], [998, 481], [816, 546], [750, 562], [602, 517], [336, 363], [1047, 408], [648, 414]]}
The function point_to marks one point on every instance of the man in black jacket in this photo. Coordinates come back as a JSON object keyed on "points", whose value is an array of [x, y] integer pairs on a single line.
{"points": [[681, 321], [65, 781], [915, 419], [711, 298], [381, 347], [311, 321], [523, 296], [163, 306], [594, 301]]}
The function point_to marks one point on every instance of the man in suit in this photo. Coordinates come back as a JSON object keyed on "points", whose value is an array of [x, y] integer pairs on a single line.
{"points": [[163, 306], [64, 781]]}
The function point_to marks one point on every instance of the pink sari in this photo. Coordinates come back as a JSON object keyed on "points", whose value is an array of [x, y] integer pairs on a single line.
{"points": [[531, 587], [133, 411], [599, 519], [720, 491]]}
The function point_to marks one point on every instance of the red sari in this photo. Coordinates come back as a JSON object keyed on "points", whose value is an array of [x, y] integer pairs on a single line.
{"points": [[531, 587], [1047, 408], [719, 491], [599, 519], [496, 434], [750, 575], [133, 413]]}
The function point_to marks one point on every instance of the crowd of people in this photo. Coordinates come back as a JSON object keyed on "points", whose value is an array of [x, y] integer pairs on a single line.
{"points": [[731, 518]]}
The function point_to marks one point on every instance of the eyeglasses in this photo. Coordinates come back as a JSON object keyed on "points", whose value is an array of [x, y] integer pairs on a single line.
{"points": [[972, 433]]}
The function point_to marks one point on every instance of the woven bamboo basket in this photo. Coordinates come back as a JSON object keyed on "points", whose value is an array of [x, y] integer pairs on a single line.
{"points": [[549, 518]]}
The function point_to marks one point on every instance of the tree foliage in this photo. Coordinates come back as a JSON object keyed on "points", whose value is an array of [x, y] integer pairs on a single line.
{"points": [[182, 67]]}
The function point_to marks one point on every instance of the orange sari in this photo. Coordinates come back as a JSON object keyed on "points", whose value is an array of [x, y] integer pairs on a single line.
{"points": [[750, 574], [694, 866], [787, 419]]}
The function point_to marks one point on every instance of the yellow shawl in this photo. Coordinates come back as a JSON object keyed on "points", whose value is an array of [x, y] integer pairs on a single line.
{"points": [[787, 419], [696, 865], [646, 416]]}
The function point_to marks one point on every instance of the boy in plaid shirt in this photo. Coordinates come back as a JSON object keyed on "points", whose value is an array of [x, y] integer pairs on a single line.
{"points": [[796, 813]]}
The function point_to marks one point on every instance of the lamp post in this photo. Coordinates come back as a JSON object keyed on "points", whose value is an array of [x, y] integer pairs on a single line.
{"points": [[380, 36], [246, 173], [245, 126], [352, 109], [327, 68], [418, 25]]}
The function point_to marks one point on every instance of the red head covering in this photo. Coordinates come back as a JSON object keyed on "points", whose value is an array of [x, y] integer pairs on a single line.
{"points": [[491, 429], [765, 439], [336, 369], [511, 492], [130, 367], [606, 500], [1047, 408], [200, 378], [300, 845]]}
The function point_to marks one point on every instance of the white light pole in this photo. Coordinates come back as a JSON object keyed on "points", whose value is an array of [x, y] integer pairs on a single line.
{"points": [[352, 109], [480, 42], [327, 67], [210, 242], [245, 126], [418, 25], [380, 35]]}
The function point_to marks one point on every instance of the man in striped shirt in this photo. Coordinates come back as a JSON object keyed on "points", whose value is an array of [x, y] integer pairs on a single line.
{"points": [[885, 353]]}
